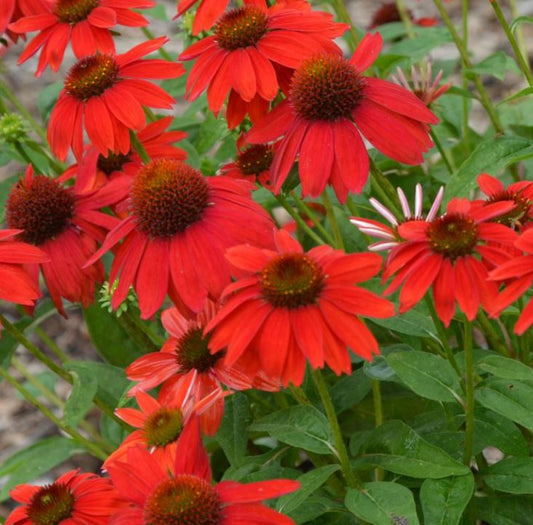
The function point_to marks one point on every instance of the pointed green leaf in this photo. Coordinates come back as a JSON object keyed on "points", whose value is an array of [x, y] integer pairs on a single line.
{"points": [[383, 503], [232, 434], [80, 400], [506, 368], [444, 500], [512, 475]]}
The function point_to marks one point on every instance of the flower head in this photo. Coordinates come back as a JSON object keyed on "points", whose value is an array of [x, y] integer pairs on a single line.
{"points": [[454, 253], [388, 12], [184, 494], [390, 234], [179, 226], [328, 95], [74, 498], [186, 359], [423, 86], [85, 23], [290, 307], [105, 94], [248, 44], [65, 225]]}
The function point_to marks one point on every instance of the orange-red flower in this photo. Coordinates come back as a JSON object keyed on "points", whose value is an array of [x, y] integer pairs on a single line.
{"points": [[65, 225], [186, 357], [521, 193], [206, 14], [252, 162], [85, 23], [180, 225], [16, 285], [95, 169], [454, 253], [248, 44], [519, 274], [185, 495], [73, 499], [161, 421], [328, 95], [105, 95], [288, 307]]}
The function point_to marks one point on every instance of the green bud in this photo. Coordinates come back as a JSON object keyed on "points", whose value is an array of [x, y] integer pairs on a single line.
{"points": [[13, 128]]}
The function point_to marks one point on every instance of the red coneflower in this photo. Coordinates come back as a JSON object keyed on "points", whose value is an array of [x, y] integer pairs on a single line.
{"points": [[65, 225], [252, 163], [161, 421], [95, 169], [289, 306], [16, 285], [73, 499], [453, 253], [521, 193], [180, 225], [389, 234], [105, 95], [328, 95], [185, 495], [186, 357], [86, 23], [519, 271], [247, 44]]}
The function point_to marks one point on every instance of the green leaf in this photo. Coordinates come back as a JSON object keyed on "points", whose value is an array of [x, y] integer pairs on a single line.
{"points": [[34, 461], [304, 427], [232, 434], [496, 65], [211, 131], [158, 12], [427, 375], [444, 500], [509, 398], [505, 510], [512, 475], [520, 20], [309, 483], [80, 400], [491, 156], [111, 380], [5, 189], [350, 390], [110, 339], [409, 323], [39, 161], [383, 503], [522, 93], [505, 367], [398, 448], [47, 98], [426, 39], [498, 431]]}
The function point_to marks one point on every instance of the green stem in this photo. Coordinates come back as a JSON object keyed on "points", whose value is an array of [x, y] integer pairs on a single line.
{"points": [[9, 95], [91, 447], [384, 190], [299, 221], [519, 32], [524, 66], [448, 161], [354, 210], [14, 332], [492, 335], [463, 51], [464, 101], [51, 344], [342, 453], [57, 401], [164, 54], [443, 336], [469, 388], [378, 418], [139, 148], [141, 334], [299, 395], [344, 16], [306, 210], [406, 19], [339, 244]]}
